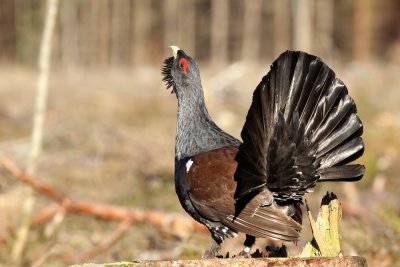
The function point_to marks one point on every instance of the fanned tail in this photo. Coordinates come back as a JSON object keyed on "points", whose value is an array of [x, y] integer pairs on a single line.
{"points": [[301, 128]]}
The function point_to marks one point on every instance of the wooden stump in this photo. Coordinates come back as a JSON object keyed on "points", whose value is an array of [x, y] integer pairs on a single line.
{"points": [[352, 261], [324, 250]]}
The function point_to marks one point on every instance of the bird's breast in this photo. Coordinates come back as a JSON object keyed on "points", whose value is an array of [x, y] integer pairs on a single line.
{"points": [[208, 178]]}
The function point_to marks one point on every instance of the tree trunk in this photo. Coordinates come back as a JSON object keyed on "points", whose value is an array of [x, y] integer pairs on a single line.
{"points": [[281, 27], [7, 29], [324, 27], [141, 27], [251, 30], [188, 26], [219, 32], [170, 23], [120, 31], [362, 30], [69, 37], [302, 30]]}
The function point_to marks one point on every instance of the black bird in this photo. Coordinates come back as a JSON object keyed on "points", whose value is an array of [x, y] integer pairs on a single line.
{"points": [[302, 128]]}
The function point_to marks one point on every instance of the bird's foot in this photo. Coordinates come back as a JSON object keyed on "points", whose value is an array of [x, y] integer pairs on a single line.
{"points": [[220, 231], [245, 253], [212, 251], [277, 252]]}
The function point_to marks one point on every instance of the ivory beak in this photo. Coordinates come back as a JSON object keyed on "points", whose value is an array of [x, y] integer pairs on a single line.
{"points": [[174, 50]]}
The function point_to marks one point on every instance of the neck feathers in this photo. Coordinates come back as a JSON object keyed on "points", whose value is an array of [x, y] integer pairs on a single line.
{"points": [[196, 132]]}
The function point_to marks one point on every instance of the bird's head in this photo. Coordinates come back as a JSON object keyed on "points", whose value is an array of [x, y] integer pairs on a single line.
{"points": [[181, 72]]}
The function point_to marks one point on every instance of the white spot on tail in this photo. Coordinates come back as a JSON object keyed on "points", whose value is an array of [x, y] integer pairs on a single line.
{"points": [[188, 165]]}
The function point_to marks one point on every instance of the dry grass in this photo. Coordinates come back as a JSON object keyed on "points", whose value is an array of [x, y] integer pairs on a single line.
{"points": [[109, 137]]}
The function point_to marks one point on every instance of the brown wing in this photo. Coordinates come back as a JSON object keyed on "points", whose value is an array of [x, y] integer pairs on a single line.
{"points": [[259, 220], [209, 179]]}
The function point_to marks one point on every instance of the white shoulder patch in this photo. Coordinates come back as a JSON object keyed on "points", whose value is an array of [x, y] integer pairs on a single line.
{"points": [[188, 165]]}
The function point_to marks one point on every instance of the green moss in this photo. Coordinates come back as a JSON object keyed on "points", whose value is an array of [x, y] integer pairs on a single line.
{"points": [[119, 264]]}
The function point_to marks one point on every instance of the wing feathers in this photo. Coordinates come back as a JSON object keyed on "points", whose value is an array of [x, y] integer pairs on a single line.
{"points": [[265, 222]]}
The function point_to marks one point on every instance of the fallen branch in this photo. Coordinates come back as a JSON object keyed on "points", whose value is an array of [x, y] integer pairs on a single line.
{"points": [[168, 222], [104, 244], [171, 223], [10, 166]]}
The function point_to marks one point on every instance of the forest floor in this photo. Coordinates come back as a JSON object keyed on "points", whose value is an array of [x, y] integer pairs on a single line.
{"points": [[109, 138]]}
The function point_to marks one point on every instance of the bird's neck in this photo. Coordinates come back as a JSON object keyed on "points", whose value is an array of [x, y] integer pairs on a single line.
{"points": [[196, 132]]}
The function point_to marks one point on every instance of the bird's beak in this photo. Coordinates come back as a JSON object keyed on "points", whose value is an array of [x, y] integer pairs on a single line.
{"points": [[174, 50]]}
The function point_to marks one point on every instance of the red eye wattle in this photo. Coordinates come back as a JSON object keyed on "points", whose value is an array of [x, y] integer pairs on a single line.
{"points": [[183, 64]]}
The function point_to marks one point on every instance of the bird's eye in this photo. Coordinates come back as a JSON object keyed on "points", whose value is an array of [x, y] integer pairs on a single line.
{"points": [[183, 64]]}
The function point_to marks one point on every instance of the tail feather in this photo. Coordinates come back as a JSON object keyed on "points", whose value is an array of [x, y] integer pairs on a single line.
{"points": [[319, 89], [350, 126], [325, 105], [342, 153], [301, 127], [296, 88], [347, 173], [333, 119]]}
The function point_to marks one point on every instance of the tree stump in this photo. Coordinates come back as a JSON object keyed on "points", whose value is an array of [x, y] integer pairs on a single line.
{"points": [[351, 261], [323, 250]]}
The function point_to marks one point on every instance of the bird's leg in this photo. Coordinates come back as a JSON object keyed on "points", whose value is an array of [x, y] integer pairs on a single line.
{"points": [[218, 233], [248, 243], [277, 252], [213, 250]]}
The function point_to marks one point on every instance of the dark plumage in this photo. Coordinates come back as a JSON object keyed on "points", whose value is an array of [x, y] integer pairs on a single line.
{"points": [[302, 128]]}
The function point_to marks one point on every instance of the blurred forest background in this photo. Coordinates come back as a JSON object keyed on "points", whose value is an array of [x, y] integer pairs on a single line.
{"points": [[109, 130]]}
